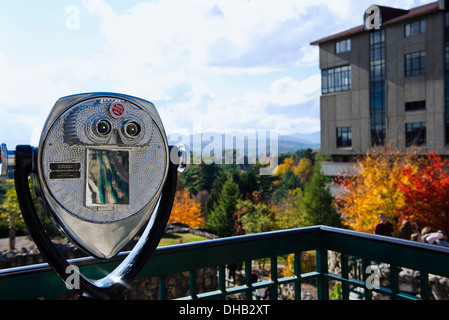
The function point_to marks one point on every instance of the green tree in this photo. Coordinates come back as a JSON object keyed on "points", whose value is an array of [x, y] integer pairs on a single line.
{"points": [[255, 218], [288, 211], [200, 177], [289, 182], [5, 185], [248, 183], [221, 218], [317, 204], [10, 211]]}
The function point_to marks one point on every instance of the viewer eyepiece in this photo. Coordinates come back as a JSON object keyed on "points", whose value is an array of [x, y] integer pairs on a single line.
{"points": [[103, 127], [131, 129]]}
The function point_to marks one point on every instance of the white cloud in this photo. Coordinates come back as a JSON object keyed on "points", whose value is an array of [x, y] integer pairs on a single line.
{"points": [[200, 34], [287, 106], [288, 91], [165, 50]]}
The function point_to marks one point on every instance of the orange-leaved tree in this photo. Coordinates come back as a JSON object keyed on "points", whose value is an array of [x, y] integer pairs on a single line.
{"points": [[286, 165], [304, 170], [374, 189], [426, 193], [186, 210]]}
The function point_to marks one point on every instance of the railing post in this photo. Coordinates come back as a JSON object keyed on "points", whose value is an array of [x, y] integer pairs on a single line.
{"points": [[222, 280], [192, 284], [297, 274], [322, 280], [248, 280], [424, 285], [274, 278], [394, 280], [368, 292], [162, 287], [344, 275]]}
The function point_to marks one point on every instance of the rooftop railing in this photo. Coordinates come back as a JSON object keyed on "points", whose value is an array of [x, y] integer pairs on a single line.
{"points": [[40, 281]]}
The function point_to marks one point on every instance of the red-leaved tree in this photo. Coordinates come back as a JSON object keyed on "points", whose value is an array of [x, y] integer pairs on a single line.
{"points": [[426, 193]]}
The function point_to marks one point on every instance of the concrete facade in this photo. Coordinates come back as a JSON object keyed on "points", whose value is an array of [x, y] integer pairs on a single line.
{"points": [[351, 108]]}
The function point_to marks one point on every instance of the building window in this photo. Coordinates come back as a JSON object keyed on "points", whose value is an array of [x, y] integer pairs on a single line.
{"points": [[336, 79], [414, 28], [377, 87], [415, 63], [415, 134], [415, 105], [343, 46], [344, 137]]}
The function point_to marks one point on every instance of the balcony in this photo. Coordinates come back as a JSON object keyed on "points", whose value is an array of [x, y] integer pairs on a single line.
{"points": [[40, 281]]}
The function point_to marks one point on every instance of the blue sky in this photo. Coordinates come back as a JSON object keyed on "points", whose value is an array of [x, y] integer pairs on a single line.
{"points": [[218, 64]]}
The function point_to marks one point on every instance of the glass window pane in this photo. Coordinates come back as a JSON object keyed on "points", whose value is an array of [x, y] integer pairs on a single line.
{"points": [[376, 37], [324, 82], [415, 28], [407, 66], [336, 79], [343, 46], [423, 64], [415, 64]]}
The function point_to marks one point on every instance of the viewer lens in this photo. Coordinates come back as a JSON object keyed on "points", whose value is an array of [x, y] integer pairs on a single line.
{"points": [[132, 129], [103, 127]]}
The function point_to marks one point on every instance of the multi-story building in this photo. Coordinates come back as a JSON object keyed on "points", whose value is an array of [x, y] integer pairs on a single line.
{"points": [[388, 85]]}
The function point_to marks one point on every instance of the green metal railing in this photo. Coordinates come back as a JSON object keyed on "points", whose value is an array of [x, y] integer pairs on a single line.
{"points": [[40, 281]]}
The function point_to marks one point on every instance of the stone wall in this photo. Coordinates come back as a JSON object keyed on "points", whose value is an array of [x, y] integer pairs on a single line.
{"points": [[29, 256], [177, 285], [408, 279]]}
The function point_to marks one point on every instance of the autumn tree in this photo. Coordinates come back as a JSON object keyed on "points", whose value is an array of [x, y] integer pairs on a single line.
{"points": [[426, 193], [304, 170], [186, 210], [10, 211], [374, 188], [285, 166], [288, 211]]}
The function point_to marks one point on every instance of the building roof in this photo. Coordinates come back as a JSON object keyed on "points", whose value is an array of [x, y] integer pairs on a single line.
{"points": [[389, 16]]}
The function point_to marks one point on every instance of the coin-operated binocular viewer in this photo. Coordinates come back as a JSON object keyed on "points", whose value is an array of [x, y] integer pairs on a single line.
{"points": [[104, 173]]}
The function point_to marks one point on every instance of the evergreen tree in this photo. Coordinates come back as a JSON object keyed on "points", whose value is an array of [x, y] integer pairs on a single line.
{"points": [[289, 182], [200, 177], [318, 207], [221, 218], [256, 217]]}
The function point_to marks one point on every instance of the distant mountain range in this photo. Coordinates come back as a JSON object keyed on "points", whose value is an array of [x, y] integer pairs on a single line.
{"points": [[297, 141], [286, 143]]}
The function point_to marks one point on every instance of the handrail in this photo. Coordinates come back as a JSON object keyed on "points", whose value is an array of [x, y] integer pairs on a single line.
{"points": [[17, 283]]}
